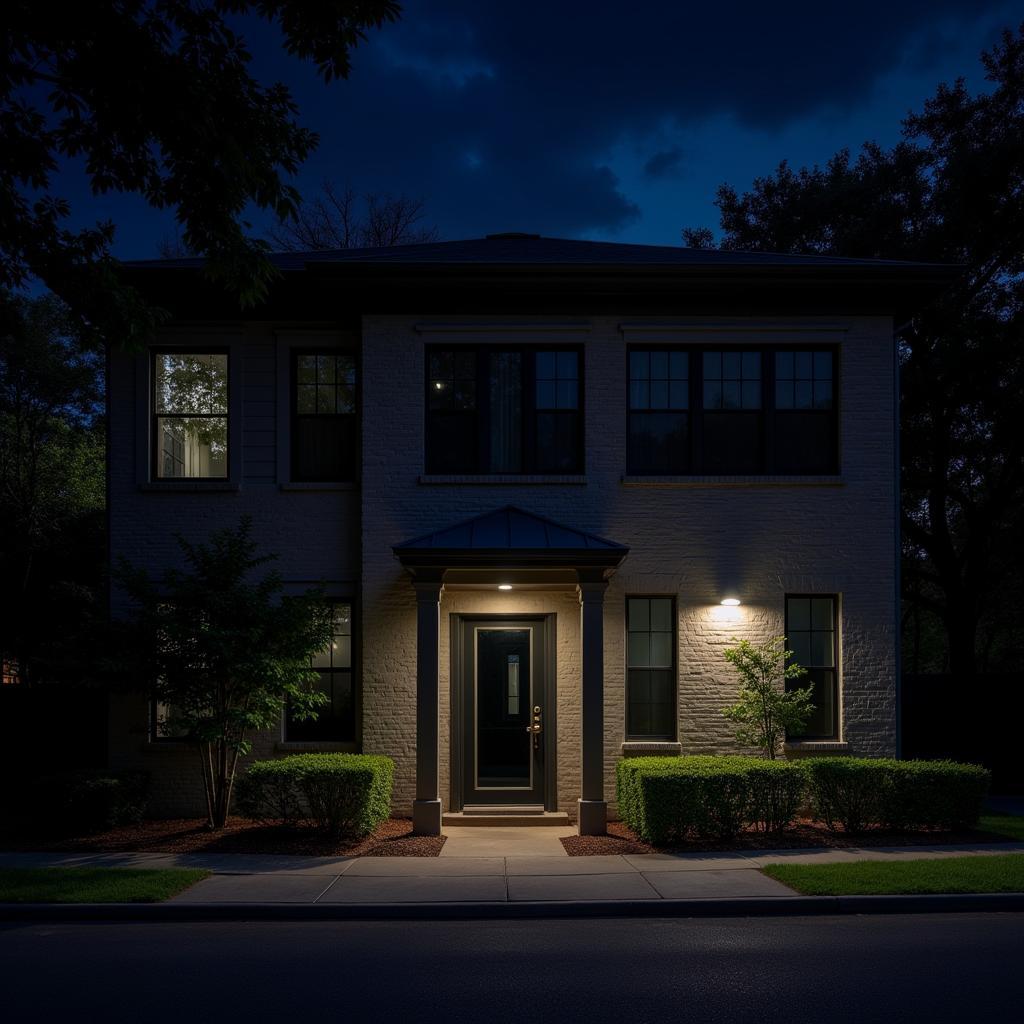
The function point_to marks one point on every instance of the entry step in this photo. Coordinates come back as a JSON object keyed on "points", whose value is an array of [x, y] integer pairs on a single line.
{"points": [[477, 817]]}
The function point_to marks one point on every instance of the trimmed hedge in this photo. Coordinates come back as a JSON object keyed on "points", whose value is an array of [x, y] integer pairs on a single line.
{"points": [[670, 799], [857, 792], [666, 799], [344, 794], [81, 802]]}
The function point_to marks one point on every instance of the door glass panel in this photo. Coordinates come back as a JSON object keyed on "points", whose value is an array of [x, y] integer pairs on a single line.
{"points": [[503, 696]]}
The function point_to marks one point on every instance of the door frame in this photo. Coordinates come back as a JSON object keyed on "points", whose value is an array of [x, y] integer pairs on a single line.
{"points": [[458, 679]]}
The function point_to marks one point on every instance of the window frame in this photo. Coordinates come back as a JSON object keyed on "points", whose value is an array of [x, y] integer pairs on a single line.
{"points": [[767, 455], [835, 669], [296, 352], [342, 745], [155, 416], [673, 735], [529, 411]]}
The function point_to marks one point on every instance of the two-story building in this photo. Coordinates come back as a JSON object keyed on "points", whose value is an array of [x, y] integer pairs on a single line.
{"points": [[545, 483]]}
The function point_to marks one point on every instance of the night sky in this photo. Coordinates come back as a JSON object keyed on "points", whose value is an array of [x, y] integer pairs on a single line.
{"points": [[602, 120]]}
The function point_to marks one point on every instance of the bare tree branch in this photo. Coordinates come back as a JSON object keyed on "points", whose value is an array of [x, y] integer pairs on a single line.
{"points": [[340, 218]]}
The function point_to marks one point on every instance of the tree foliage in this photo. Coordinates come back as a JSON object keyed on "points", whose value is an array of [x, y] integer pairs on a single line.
{"points": [[51, 485], [218, 646], [340, 218], [951, 191], [154, 97], [766, 711]]}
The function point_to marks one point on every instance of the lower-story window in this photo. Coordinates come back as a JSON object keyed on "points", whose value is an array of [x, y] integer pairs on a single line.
{"points": [[650, 668], [812, 634], [336, 720]]}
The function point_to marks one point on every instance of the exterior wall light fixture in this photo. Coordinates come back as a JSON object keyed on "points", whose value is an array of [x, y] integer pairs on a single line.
{"points": [[504, 586], [730, 602]]}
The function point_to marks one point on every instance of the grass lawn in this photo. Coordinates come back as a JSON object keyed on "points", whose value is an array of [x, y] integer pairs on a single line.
{"points": [[997, 873], [1009, 825], [94, 885]]}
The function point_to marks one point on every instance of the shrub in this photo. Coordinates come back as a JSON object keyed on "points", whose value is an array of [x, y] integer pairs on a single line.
{"points": [[777, 791], [846, 790], [858, 792], [83, 801], [666, 799], [934, 794], [344, 794]]}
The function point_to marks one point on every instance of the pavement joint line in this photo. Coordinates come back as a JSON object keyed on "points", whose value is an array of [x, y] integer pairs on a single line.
{"points": [[330, 885]]}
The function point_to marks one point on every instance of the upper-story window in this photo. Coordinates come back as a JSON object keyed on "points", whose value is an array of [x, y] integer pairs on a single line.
{"points": [[504, 410], [734, 411], [323, 416], [190, 415]]}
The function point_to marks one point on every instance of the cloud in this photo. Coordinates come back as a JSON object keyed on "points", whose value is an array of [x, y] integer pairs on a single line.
{"points": [[503, 116], [664, 164]]}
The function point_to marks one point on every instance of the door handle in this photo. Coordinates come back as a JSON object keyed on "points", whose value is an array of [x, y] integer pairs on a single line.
{"points": [[535, 728]]}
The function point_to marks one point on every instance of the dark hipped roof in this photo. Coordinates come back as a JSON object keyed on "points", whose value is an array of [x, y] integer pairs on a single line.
{"points": [[509, 535], [533, 250]]}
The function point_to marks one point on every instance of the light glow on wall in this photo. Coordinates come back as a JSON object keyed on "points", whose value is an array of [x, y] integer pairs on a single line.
{"points": [[504, 586]]}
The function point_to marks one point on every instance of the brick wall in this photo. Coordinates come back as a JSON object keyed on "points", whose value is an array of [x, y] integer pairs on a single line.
{"points": [[688, 541], [766, 538]]}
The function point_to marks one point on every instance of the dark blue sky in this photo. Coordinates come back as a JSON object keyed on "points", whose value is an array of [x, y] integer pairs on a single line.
{"points": [[604, 120]]}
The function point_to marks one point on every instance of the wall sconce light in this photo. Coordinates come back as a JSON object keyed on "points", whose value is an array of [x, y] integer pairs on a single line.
{"points": [[730, 602], [504, 586]]}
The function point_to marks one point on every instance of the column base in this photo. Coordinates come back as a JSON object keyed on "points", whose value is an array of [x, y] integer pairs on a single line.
{"points": [[426, 817], [592, 817]]}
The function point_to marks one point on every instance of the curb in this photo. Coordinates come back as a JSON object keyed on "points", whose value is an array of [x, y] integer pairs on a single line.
{"points": [[786, 906]]}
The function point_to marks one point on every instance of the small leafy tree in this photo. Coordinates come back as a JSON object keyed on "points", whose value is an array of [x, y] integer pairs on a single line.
{"points": [[766, 711], [218, 647]]}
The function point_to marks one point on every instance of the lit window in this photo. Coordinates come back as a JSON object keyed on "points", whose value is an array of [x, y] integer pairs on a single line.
{"points": [[190, 412]]}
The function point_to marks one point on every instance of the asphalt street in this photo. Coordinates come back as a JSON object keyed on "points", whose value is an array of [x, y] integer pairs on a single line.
{"points": [[955, 967]]}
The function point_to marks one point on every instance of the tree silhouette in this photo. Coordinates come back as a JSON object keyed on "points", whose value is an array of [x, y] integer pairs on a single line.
{"points": [[951, 191], [154, 97]]}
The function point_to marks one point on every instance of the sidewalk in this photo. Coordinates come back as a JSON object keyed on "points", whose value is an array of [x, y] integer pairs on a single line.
{"points": [[637, 880]]}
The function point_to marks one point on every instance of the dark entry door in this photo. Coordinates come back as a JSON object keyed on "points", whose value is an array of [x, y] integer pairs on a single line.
{"points": [[504, 718]]}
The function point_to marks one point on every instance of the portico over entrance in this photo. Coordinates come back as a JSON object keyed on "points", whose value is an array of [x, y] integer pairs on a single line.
{"points": [[505, 663]]}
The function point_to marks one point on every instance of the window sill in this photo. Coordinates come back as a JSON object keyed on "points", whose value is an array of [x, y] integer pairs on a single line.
{"points": [[310, 486], [314, 747], [642, 748], [189, 486], [817, 746], [504, 478], [732, 481]]}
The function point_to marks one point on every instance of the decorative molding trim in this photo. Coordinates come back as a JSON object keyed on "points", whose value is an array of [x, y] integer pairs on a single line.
{"points": [[675, 328], [516, 479], [732, 481], [484, 328], [637, 748], [297, 486], [816, 746], [190, 486]]}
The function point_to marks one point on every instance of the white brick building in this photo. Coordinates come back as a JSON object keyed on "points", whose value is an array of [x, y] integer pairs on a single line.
{"points": [[671, 428]]}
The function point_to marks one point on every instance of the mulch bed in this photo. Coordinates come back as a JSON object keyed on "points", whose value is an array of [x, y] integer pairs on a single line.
{"points": [[802, 834], [393, 838]]}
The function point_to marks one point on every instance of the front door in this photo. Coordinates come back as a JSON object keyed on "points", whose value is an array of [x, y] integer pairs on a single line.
{"points": [[504, 711]]}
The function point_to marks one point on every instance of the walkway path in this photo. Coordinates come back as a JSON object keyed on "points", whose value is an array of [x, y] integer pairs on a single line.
{"points": [[509, 877]]}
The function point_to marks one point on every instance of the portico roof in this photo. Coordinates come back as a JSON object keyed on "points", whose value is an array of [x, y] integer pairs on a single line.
{"points": [[509, 537]]}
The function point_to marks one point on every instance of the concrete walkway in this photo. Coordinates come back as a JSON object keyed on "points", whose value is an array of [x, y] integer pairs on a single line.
{"points": [[519, 877]]}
